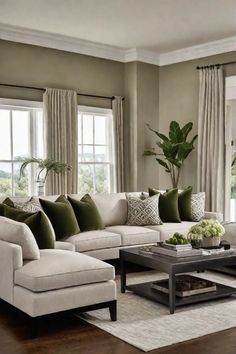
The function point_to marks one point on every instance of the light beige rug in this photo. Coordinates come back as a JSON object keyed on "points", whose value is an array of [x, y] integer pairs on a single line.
{"points": [[148, 325]]}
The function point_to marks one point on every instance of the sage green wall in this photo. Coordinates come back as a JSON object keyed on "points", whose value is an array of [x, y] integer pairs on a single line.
{"points": [[44, 67], [141, 89], [147, 112], [152, 95], [30, 65], [178, 100]]}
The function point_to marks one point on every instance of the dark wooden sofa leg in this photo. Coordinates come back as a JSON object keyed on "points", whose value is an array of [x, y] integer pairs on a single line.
{"points": [[34, 327], [113, 310]]}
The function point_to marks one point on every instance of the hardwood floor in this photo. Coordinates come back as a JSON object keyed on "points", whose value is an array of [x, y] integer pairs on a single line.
{"points": [[66, 334]]}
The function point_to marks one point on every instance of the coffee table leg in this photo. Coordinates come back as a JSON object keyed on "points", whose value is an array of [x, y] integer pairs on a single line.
{"points": [[122, 275], [172, 293]]}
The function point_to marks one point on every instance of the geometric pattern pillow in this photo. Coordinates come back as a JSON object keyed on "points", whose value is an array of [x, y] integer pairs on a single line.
{"points": [[198, 206], [31, 205], [143, 211]]}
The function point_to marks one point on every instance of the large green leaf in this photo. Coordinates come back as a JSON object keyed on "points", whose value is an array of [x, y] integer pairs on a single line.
{"points": [[186, 130], [175, 133], [149, 153], [184, 150], [170, 150], [164, 164], [160, 135], [175, 162], [193, 139]]}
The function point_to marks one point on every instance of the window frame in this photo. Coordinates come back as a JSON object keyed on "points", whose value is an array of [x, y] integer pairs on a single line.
{"points": [[32, 107], [104, 112]]}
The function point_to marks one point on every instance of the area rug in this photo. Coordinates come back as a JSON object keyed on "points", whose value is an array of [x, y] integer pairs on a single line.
{"points": [[148, 325]]}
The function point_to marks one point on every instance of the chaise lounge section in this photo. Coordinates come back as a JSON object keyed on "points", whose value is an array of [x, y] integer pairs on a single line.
{"points": [[59, 280]]}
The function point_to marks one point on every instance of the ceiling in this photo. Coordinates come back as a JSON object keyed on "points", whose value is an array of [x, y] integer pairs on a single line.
{"points": [[154, 26]]}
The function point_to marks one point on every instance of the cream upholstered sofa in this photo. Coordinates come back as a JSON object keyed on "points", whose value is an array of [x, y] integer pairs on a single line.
{"points": [[42, 282], [105, 244]]}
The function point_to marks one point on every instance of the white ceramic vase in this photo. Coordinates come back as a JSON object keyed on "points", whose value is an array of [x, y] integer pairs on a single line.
{"points": [[210, 241]]}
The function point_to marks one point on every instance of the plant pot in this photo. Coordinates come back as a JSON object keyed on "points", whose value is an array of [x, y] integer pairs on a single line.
{"points": [[210, 241], [41, 188], [195, 240]]}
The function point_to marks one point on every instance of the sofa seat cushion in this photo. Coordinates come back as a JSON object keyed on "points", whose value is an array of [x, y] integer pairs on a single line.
{"points": [[169, 228], [135, 235], [93, 240], [58, 269]]}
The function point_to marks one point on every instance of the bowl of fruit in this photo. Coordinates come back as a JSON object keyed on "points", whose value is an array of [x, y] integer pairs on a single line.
{"points": [[177, 239]]}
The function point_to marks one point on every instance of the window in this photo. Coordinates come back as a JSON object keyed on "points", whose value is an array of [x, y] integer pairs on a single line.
{"points": [[21, 136], [95, 150]]}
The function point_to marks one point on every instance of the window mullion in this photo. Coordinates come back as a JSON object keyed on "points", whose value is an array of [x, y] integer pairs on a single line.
{"points": [[12, 166], [94, 176]]}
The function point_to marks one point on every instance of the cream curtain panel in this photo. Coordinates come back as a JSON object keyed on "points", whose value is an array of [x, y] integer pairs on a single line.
{"points": [[60, 119], [212, 139], [118, 124]]}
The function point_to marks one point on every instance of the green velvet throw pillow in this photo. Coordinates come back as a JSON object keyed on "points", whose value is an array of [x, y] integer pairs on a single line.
{"points": [[168, 204], [87, 213], [184, 202], [8, 202], [37, 222], [62, 217]]}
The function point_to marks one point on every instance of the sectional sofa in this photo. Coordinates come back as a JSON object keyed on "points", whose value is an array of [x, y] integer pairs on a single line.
{"points": [[105, 244], [74, 274]]}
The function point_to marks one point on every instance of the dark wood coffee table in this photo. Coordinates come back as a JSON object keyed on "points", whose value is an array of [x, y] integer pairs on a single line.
{"points": [[174, 266]]}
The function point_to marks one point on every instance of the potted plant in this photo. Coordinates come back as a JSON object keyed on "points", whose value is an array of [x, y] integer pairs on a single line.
{"points": [[175, 149], [208, 231], [45, 166]]}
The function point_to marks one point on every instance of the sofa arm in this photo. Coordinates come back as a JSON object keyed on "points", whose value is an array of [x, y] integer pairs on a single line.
{"points": [[10, 260], [213, 215], [67, 246]]}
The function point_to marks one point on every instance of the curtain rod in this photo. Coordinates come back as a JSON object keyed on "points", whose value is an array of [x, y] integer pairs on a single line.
{"points": [[43, 89], [215, 65]]}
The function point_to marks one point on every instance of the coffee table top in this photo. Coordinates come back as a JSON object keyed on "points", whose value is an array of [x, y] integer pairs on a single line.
{"points": [[155, 260]]}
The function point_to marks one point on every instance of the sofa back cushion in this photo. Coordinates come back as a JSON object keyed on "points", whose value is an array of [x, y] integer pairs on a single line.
{"points": [[113, 208], [19, 233]]}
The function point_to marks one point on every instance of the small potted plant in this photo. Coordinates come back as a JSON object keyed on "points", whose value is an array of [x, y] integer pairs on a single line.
{"points": [[45, 166], [208, 231]]}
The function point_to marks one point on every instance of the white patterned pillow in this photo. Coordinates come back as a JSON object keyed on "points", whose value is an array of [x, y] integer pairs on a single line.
{"points": [[143, 211], [31, 205], [198, 206]]}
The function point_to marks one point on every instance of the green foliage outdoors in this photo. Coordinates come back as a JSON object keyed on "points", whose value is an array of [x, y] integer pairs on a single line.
{"points": [[177, 239], [20, 184], [175, 149], [233, 177], [86, 183]]}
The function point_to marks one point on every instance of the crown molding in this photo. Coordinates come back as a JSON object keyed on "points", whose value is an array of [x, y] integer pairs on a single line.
{"points": [[143, 55], [57, 41], [198, 51], [75, 45]]}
